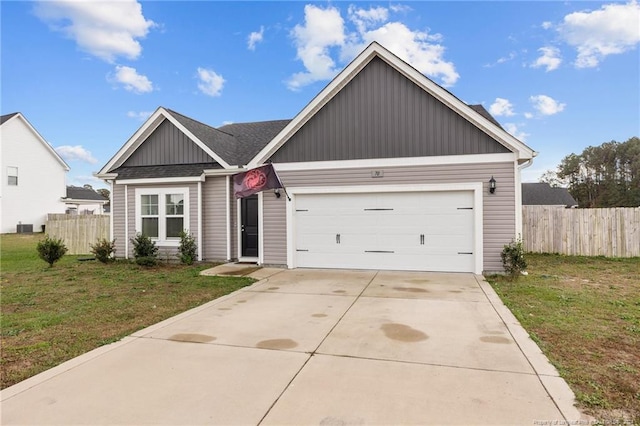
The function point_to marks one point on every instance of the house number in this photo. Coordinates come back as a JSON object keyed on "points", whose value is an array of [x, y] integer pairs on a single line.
{"points": [[377, 173]]}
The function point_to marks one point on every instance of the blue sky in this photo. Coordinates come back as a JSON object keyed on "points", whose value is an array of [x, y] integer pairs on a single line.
{"points": [[560, 76]]}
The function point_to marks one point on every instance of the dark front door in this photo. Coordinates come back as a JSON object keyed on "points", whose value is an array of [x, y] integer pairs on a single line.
{"points": [[249, 213]]}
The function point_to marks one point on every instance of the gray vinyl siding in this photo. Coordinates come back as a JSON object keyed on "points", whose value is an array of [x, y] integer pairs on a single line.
{"points": [[166, 253], [167, 145], [274, 228], [117, 212], [498, 208], [383, 114], [214, 218]]}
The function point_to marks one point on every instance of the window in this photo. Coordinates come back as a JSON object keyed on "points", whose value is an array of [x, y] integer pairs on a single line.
{"points": [[161, 213], [12, 176]]}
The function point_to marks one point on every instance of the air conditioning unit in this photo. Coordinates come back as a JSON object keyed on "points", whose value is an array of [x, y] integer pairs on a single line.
{"points": [[24, 228]]}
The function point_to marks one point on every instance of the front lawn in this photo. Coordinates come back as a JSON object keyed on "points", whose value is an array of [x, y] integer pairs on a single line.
{"points": [[50, 315], [584, 313]]}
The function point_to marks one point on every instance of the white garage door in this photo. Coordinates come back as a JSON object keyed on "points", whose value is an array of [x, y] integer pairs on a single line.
{"points": [[423, 231]]}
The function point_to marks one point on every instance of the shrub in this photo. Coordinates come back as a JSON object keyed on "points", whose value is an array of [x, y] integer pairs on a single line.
{"points": [[188, 250], [513, 258], [103, 250], [51, 250], [144, 250]]}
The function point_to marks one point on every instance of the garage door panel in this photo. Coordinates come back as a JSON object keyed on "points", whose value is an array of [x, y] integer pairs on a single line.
{"points": [[410, 231]]}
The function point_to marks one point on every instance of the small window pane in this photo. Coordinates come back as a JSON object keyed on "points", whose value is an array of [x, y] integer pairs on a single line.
{"points": [[175, 204], [149, 205], [150, 227], [12, 175], [174, 227]]}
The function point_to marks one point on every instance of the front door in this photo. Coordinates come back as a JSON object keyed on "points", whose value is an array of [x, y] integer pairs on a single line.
{"points": [[249, 226]]}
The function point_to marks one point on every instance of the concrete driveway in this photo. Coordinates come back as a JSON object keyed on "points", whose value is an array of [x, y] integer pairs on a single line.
{"points": [[319, 347]]}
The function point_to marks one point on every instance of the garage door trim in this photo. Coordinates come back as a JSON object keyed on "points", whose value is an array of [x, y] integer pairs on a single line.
{"points": [[476, 187]]}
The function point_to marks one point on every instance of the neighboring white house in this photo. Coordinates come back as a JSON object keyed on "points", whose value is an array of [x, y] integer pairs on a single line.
{"points": [[84, 200], [33, 176]]}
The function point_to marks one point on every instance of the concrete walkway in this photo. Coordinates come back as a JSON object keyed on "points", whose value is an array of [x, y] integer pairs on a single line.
{"points": [[313, 347]]}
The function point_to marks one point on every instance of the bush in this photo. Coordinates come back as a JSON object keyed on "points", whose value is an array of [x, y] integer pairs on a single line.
{"points": [[103, 250], [144, 250], [51, 250], [188, 250], [513, 258]]}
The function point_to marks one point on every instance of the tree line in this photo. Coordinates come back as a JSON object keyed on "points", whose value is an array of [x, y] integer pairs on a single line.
{"points": [[601, 176]]}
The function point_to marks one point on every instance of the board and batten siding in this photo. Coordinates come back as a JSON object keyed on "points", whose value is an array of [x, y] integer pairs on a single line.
{"points": [[383, 114], [498, 209], [214, 218], [167, 145], [165, 253]]}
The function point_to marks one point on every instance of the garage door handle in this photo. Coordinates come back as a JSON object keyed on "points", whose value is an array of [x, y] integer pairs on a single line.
{"points": [[421, 239], [337, 238]]}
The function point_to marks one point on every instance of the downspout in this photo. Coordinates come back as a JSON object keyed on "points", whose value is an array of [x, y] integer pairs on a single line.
{"points": [[200, 233], [126, 221], [111, 198], [228, 216], [519, 168]]}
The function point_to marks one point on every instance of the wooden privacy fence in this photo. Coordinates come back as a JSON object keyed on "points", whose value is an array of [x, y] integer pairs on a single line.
{"points": [[612, 232], [78, 232]]}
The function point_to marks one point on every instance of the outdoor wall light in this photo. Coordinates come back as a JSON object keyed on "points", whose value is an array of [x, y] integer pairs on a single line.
{"points": [[492, 185], [276, 192]]}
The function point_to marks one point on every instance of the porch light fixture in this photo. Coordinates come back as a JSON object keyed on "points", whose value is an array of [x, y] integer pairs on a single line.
{"points": [[492, 185], [276, 192]]}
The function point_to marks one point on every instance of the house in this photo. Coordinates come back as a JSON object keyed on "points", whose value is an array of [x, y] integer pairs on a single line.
{"points": [[33, 176], [84, 200], [384, 169], [543, 194]]}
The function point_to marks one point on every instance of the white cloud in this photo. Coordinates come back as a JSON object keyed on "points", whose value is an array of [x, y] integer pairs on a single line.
{"points": [[325, 29], [546, 25], [610, 30], [546, 105], [139, 115], [501, 107], [365, 19], [131, 80], [255, 38], [76, 153], [513, 129], [417, 48], [549, 58], [511, 56], [106, 29], [528, 115], [322, 29], [400, 8], [210, 82]]}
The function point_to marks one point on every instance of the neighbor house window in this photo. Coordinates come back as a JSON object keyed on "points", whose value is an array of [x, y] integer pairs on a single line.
{"points": [[162, 214], [12, 176]]}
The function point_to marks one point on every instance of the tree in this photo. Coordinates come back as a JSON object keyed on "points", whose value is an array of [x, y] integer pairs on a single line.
{"points": [[104, 192], [604, 176]]}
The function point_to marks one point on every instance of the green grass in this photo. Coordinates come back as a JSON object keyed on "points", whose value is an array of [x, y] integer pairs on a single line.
{"points": [[584, 313], [50, 315]]}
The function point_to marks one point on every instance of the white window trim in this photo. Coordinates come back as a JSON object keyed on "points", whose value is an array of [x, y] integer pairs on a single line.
{"points": [[12, 175], [161, 193]]}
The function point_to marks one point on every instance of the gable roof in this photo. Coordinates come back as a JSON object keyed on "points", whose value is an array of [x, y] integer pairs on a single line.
{"points": [[473, 114], [252, 137], [542, 194], [85, 194], [7, 117], [230, 145], [18, 115]]}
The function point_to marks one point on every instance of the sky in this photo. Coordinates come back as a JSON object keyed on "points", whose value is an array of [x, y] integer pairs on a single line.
{"points": [[559, 76]]}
